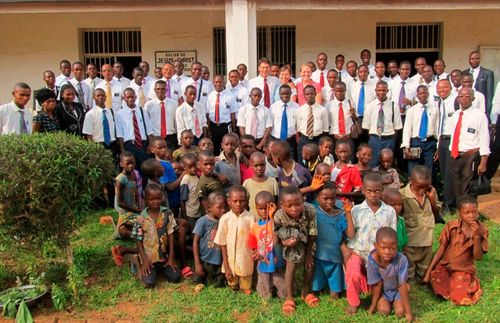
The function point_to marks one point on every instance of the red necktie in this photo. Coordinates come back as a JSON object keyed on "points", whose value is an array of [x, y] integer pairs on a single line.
{"points": [[267, 97], [137, 132], [163, 118], [217, 115], [456, 137], [321, 80], [341, 120]]}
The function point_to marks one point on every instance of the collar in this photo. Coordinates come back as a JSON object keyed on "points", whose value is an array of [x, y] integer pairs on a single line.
{"points": [[222, 157], [16, 107], [145, 213], [474, 69]]}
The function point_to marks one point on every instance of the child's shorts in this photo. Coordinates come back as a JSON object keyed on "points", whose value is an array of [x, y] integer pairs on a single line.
{"points": [[328, 272], [245, 282]]}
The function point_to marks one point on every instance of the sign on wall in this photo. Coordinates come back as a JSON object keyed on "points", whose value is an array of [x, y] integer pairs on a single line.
{"points": [[169, 56]]}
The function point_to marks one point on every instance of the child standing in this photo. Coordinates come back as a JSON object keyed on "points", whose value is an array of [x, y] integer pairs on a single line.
{"points": [[264, 242], [247, 147], [362, 226], [392, 197], [153, 229], [387, 272], [345, 174], [232, 237], [326, 148], [295, 225], [271, 168], [208, 181], [206, 144], [190, 201], [452, 273], [186, 147], [227, 163], [332, 225], [207, 254], [390, 176], [260, 181], [364, 156], [420, 209]]}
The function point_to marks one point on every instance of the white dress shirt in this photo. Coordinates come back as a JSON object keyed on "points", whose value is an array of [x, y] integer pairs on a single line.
{"points": [[147, 82], [258, 81], [124, 81], [125, 124], [431, 88], [371, 72], [373, 81], [327, 93], [61, 79], [316, 76], [390, 113], [153, 110], [116, 93], [410, 87], [203, 89], [175, 89], [333, 109], [137, 88], [355, 89], [474, 132], [181, 79], [446, 110], [88, 100], [442, 76], [227, 106], [347, 79], [411, 127], [495, 110], [185, 116], [321, 119], [92, 83], [92, 124], [240, 94], [418, 79], [264, 119], [475, 74], [10, 119], [479, 101], [291, 117]]}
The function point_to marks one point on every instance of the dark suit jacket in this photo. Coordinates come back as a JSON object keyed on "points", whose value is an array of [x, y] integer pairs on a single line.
{"points": [[68, 121], [485, 84]]}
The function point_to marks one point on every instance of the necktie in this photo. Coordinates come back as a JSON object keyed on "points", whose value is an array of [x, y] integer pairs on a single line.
{"points": [[217, 112], [421, 80], [456, 137], [310, 122], [105, 128], [109, 99], [144, 81], [424, 121], [402, 95], [92, 86], [341, 120], [197, 128], [284, 124], [332, 96], [380, 119], [321, 80], [163, 122], [81, 98], [137, 132], [168, 89], [441, 116], [254, 122], [361, 100], [267, 98], [22, 122], [142, 97], [195, 84]]}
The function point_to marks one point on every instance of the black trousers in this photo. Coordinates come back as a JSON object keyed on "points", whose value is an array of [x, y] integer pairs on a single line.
{"points": [[444, 159], [462, 171], [140, 154], [494, 159], [218, 131], [292, 141], [172, 143]]}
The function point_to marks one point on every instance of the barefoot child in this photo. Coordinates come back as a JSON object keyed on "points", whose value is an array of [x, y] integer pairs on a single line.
{"points": [[295, 225], [209, 182], [266, 248], [326, 148], [390, 177], [207, 254], [310, 154], [153, 229], [227, 164], [345, 174], [387, 271], [206, 144], [232, 237], [392, 197], [247, 147], [452, 272], [186, 147], [190, 201]]}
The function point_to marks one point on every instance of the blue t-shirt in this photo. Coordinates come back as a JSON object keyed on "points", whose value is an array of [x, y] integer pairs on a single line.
{"points": [[174, 197], [331, 229], [206, 228], [393, 275]]}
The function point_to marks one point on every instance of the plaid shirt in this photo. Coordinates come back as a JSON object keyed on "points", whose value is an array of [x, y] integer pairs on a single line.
{"points": [[48, 124]]}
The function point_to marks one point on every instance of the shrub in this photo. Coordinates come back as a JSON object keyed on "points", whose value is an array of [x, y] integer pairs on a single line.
{"points": [[45, 180]]}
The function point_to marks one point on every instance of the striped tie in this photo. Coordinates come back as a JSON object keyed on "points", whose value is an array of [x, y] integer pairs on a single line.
{"points": [[310, 122], [109, 99], [22, 123], [253, 124], [137, 132]]}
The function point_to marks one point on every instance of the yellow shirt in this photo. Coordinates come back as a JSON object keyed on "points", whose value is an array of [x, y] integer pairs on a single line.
{"points": [[253, 188]]}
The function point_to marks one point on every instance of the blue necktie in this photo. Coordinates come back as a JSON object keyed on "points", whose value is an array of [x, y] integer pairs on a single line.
{"points": [[105, 128], [422, 134], [284, 125], [361, 100]]}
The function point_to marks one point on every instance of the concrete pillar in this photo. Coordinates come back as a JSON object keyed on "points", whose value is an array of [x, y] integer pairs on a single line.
{"points": [[241, 35]]}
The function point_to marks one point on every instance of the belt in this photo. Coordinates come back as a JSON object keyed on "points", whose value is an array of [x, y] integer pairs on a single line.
{"points": [[445, 137], [382, 137], [467, 153], [133, 142], [292, 137], [220, 124], [424, 140], [309, 137]]}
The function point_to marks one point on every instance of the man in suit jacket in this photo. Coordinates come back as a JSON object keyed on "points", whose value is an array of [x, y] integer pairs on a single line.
{"points": [[50, 83], [483, 79]]}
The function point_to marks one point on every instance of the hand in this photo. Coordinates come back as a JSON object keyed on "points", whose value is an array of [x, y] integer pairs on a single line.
{"points": [[371, 309], [408, 154], [346, 254], [348, 205], [291, 242], [436, 156], [198, 269], [222, 178], [317, 182], [431, 195], [172, 264], [407, 101], [228, 274], [271, 209], [474, 228], [481, 168], [260, 146], [255, 254], [352, 111], [146, 267], [309, 262], [409, 317]]}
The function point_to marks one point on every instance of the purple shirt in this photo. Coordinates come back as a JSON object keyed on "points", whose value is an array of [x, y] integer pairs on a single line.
{"points": [[392, 276], [300, 177]]}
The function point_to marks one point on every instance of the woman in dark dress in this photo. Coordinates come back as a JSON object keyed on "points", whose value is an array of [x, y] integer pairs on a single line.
{"points": [[70, 114], [45, 120]]}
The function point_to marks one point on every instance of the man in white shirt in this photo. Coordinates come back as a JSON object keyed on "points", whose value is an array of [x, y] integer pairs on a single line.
{"points": [[111, 87], [361, 92], [379, 74], [402, 88], [484, 80], [312, 119], [366, 56], [179, 75], [428, 81], [319, 75], [456, 81], [420, 131], [203, 87], [243, 70], [341, 113], [138, 86], [92, 80], [148, 80], [266, 83], [50, 83], [470, 144], [83, 91], [221, 109], [382, 119], [99, 123], [118, 75], [392, 69], [479, 100], [332, 78], [351, 76], [191, 115], [173, 89], [15, 118], [161, 112], [133, 128], [439, 73], [420, 63], [339, 66], [65, 68], [255, 119], [284, 116], [237, 90]]}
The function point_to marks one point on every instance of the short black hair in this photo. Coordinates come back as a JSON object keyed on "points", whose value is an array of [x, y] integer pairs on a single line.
{"points": [[148, 167], [21, 85], [421, 172], [205, 153], [372, 177], [264, 196], [324, 139], [466, 199], [216, 196], [126, 154], [329, 185], [237, 189], [152, 187], [386, 233], [188, 157], [289, 190], [248, 137]]}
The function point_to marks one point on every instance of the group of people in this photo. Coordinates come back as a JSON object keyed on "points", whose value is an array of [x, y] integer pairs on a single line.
{"points": [[261, 175]]}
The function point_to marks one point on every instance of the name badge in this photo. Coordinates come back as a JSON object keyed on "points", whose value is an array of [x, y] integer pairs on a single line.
{"points": [[471, 130], [176, 92], [436, 98], [450, 114], [238, 100], [228, 106], [204, 94], [116, 95]]}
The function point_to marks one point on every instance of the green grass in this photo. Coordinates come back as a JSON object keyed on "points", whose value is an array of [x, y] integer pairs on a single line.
{"points": [[103, 286]]}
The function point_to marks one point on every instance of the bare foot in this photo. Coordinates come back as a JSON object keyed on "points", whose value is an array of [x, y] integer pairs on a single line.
{"points": [[334, 295], [351, 310]]}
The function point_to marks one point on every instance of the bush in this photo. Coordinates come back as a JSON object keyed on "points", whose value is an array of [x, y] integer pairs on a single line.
{"points": [[45, 180]]}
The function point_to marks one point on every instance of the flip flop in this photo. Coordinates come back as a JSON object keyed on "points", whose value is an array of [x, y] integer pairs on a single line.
{"points": [[311, 300], [288, 307], [186, 272], [116, 256]]}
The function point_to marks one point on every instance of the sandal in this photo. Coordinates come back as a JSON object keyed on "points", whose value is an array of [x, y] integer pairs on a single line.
{"points": [[116, 256], [288, 307], [247, 291], [311, 300], [186, 272]]}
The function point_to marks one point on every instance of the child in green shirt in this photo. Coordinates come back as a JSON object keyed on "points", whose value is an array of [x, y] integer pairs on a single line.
{"points": [[392, 197]]}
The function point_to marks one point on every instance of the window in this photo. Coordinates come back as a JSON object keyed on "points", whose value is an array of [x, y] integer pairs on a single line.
{"points": [[275, 42], [108, 46]]}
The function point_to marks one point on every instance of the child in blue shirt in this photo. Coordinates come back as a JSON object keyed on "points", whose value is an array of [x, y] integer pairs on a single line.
{"points": [[332, 225]]}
